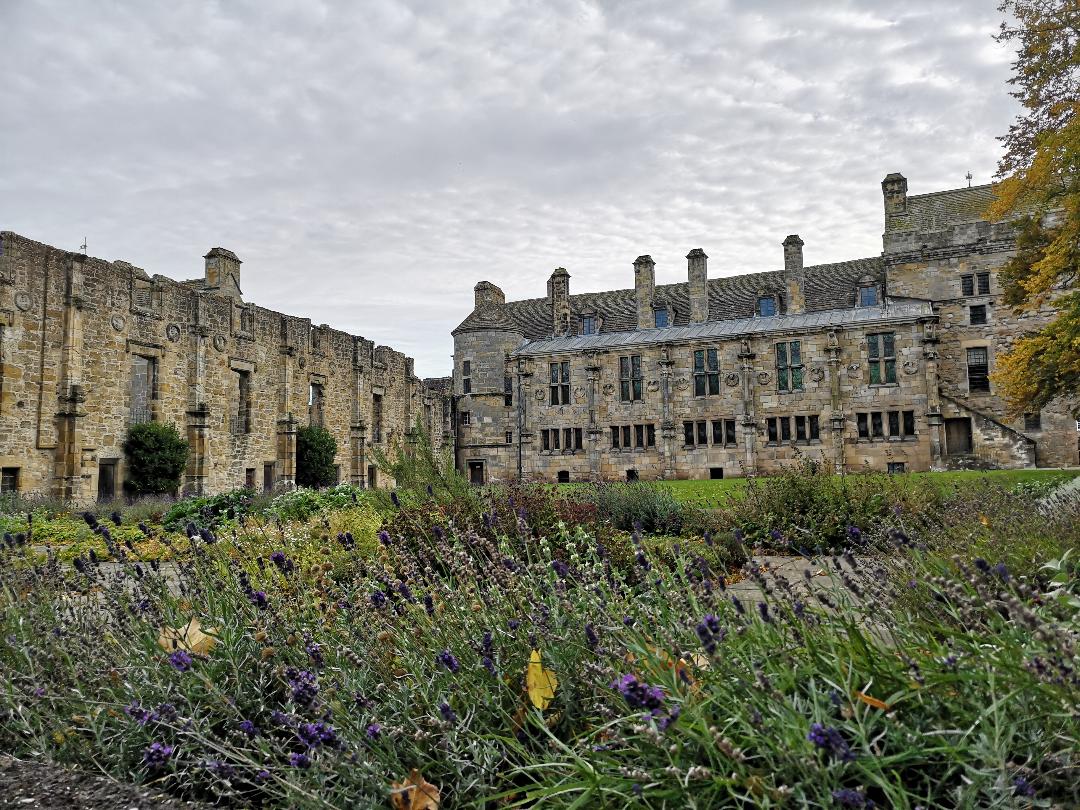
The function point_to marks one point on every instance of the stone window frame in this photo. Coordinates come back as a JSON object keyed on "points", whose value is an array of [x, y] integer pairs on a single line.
{"points": [[509, 437], [668, 315], [465, 418], [867, 284], [880, 359], [141, 285], [555, 440], [975, 283], [152, 352], [1033, 421], [317, 382], [774, 301], [241, 314], [596, 321], [789, 367], [318, 337], [706, 374], [559, 383], [508, 390], [631, 378], [239, 420], [624, 438], [10, 479], [894, 425], [984, 313], [786, 429], [984, 377]]}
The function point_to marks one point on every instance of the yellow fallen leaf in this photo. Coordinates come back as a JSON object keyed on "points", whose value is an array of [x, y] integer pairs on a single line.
{"points": [[415, 793], [191, 637], [984, 520], [872, 701], [540, 682]]}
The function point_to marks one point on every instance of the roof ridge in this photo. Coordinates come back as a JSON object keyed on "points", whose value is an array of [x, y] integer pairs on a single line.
{"points": [[951, 191]]}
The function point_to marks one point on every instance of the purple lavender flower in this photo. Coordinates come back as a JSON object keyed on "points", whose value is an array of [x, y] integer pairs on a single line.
{"points": [[304, 684], [562, 570], [300, 761], [136, 712], [738, 605], [447, 713], [429, 604], [373, 731], [180, 660], [831, 740], [249, 729], [854, 534], [378, 599], [849, 797], [637, 694], [313, 735], [513, 624], [384, 537], [259, 599], [394, 499], [447, 659], [284, 564], [157, 755], [314, 652], [591, 638], [1022, 787], [489, 664]]}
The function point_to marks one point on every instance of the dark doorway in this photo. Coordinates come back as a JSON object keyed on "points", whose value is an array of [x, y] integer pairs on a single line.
{"points": [[958, 436], [268, 476], [631, 475], [897, 467], [476, 472], [371, 482], [106, 479], [249, 478], [716, 473], [564, 477]]}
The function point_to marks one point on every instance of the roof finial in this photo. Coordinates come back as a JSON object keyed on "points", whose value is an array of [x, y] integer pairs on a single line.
{"points": [[968, 177], [82, 247]]}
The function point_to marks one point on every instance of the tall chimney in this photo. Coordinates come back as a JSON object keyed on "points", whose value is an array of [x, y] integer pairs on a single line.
{"points": [[645, 290], [486, 294], [794, 275], [559, 299], [698, 276], [223, 272], [894, 190]]}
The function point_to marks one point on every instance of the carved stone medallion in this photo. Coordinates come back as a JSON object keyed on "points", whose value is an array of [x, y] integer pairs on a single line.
{"points": [[682, 384], [118, 322], [911, 366], [609, 389], [302, 362], [732, 379], [219, 342], [579, 394], [853, 370], [652, 385], [763, 377], [817, 374], [539, 395], [172, 332], [23, 300]]}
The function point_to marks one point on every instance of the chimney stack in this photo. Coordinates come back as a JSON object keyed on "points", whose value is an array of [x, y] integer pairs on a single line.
{"points": [[894, 190], [794, 274], [698, 276], [223, 272], [486, 294], [645, 290], [559, 298]]}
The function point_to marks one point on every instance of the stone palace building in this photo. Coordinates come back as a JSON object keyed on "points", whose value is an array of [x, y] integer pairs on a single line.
{"points": [[89, 347], [880, 363]]}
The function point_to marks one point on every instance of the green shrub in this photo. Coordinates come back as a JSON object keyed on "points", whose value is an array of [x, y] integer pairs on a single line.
{"points": [[301, 504], [156, 457], [315, 452], [210, 511]]}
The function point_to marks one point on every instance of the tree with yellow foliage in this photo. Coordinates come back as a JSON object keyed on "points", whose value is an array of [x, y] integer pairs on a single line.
{"points": [[1040, 192]]}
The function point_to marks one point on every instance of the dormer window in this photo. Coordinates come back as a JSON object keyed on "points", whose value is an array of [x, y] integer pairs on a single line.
{"points": [[588, 324], [660, 318], [868, 295], [766, 306]]}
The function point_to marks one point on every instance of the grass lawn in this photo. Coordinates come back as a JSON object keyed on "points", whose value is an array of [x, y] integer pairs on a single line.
{"points": [[709, 492]]}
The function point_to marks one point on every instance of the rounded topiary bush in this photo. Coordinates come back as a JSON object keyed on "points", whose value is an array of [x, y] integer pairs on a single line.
{"points": [[156, 457], [315, 451]]}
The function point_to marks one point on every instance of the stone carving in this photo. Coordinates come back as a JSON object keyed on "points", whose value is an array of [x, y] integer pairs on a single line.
{"points": [[579, 394], [539, 395], [817, 374], [219, 342], [911, 366], [744, 347], [763, 377], [833, 342], [23, 300], [302, 362], [652, 385], [682, 384], [732, 379], [609, 389], [172, 332], [853, 370], [929, 331], [118, 322]]}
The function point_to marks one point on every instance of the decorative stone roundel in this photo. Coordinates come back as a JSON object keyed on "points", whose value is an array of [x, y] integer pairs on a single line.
{"points": [[539, 395], [23, 300], [763, 377], [911, 366], [853, 370], [609, 389], [817, 374], [118, 322], [579, 394], [652, 385], [302, 362], [172, 332], [219, 342], [732, 379], [682, 384]]}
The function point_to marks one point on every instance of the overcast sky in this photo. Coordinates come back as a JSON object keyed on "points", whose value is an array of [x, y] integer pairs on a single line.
{"points": [[371, 161]]}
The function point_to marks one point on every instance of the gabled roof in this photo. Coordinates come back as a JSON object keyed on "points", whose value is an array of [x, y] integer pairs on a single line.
{"points": [[941, 210], [827, 286], [893, 311]]}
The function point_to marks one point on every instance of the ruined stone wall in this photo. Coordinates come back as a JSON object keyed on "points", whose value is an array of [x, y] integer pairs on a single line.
{"points": [[72, 326]]}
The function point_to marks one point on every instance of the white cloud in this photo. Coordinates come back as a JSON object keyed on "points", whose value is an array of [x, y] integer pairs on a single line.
{"points": [[370, 162]]}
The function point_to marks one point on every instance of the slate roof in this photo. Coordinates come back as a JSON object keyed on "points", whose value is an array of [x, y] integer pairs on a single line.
{"points": [[828, 286], [940, 210], [893, 311]]}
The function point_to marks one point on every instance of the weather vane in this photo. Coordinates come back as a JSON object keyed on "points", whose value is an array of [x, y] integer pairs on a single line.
{"points": [[82, 247], [968, 176]]}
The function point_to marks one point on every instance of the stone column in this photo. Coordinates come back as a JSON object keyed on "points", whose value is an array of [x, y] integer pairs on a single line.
{"points": [[358, 425], [749, 415], [837, 417], [935, 420], [69, 479], [594, 432], [667, 420], [286, 450], [198, 434]]}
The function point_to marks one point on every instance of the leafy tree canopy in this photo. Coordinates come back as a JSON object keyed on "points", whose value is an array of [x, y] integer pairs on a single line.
{"points": [[315, 452], [1040, 191], [156, 457]]}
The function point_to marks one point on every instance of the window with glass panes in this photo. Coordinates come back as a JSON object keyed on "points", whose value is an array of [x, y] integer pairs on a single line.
{"points": [[881, 350], [802, 429], [766, 306], [789, 366], [868, 296], [706, 373], [978, 366], [660, 318], [723, 432], [588, 324], [508, 391], [630, 378], [466, 374], [560, 383]]}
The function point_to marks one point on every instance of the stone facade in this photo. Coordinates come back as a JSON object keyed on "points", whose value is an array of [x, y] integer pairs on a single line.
{"points": [[879, 364], [87, 347]]}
